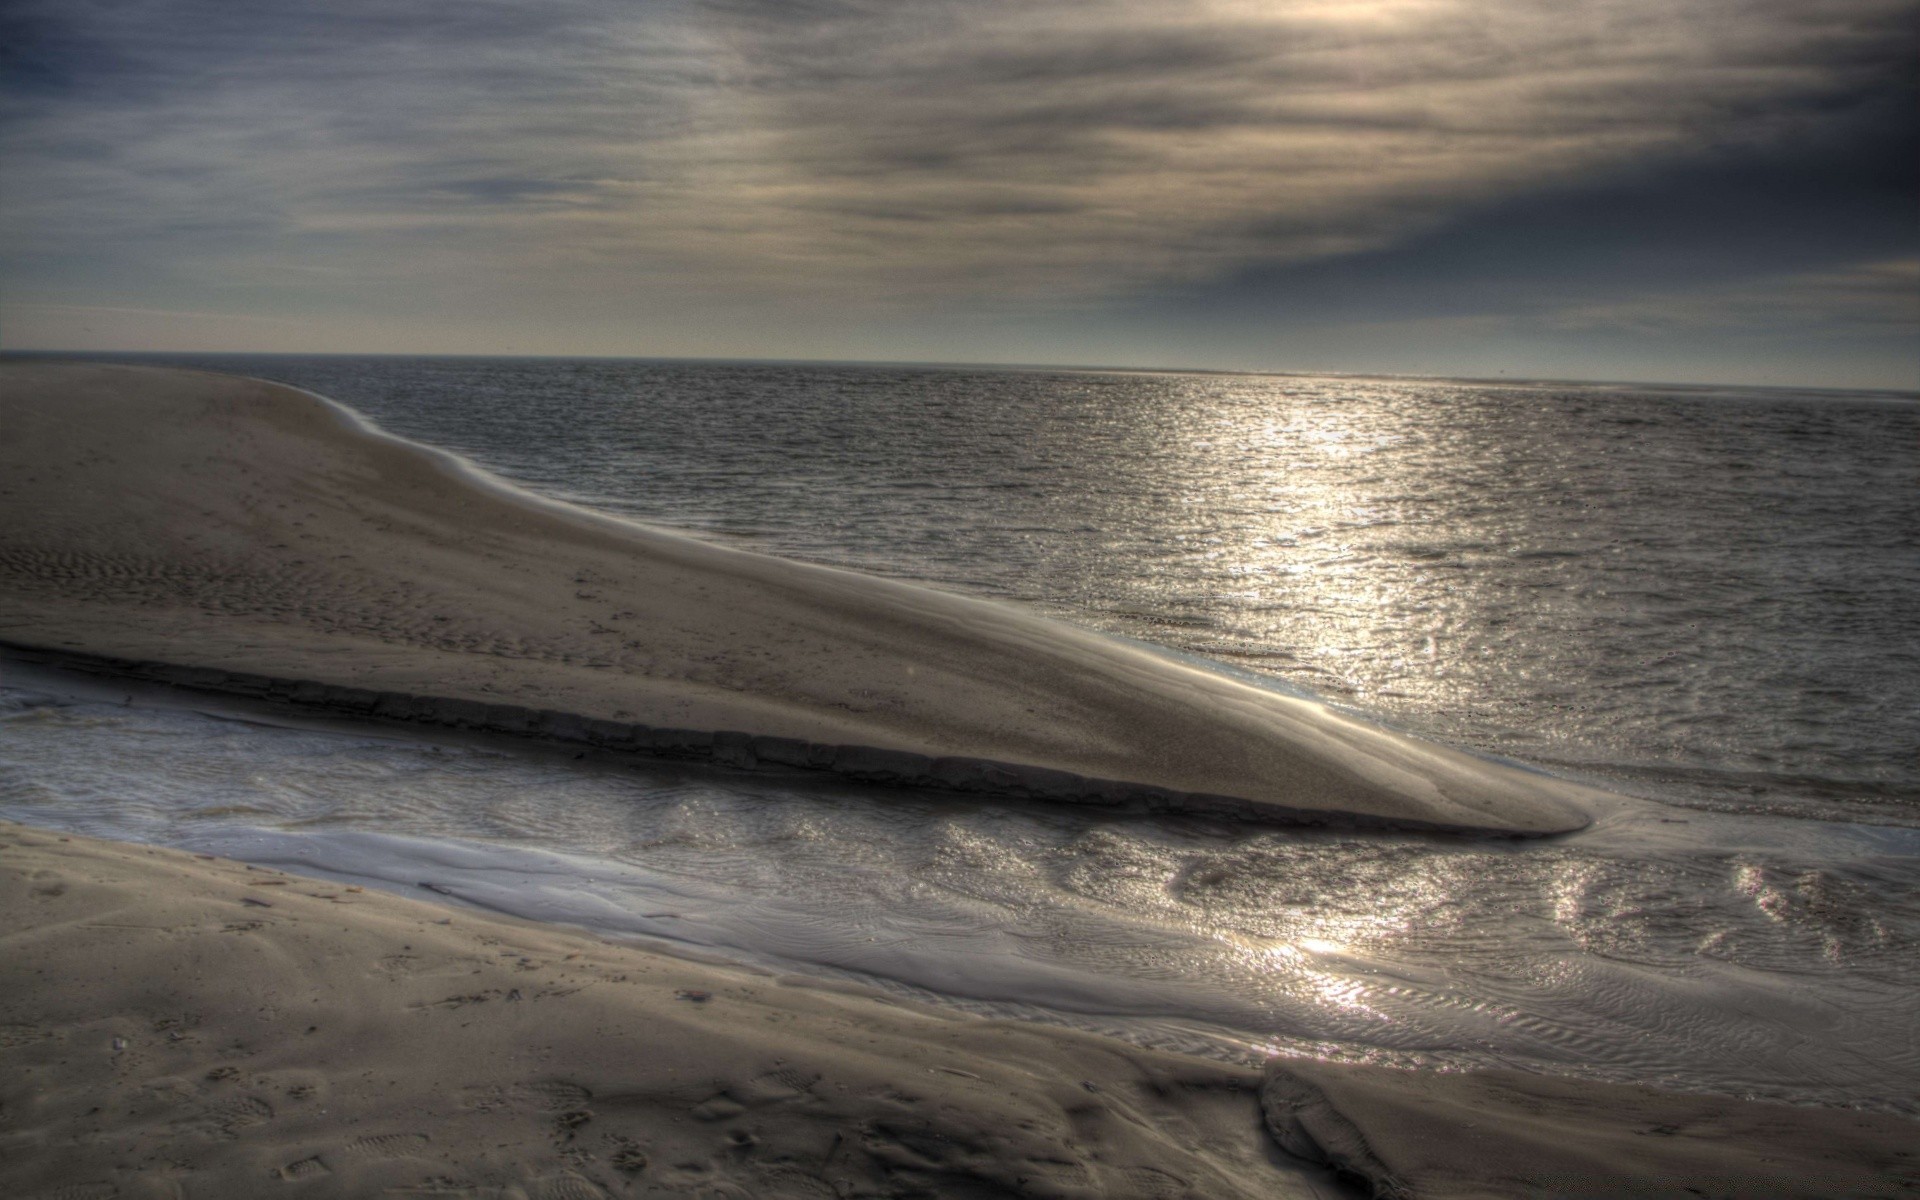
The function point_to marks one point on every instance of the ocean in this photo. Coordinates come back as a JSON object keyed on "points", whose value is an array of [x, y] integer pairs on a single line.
{"points": [[1701, 599]]}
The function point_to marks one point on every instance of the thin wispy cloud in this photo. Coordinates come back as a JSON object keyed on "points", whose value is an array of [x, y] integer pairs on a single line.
{"points": [[1870, 298], [1092, 144], [585, 163]]}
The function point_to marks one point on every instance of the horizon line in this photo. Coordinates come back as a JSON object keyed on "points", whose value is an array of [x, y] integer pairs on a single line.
{"points": [[1501, 380]]}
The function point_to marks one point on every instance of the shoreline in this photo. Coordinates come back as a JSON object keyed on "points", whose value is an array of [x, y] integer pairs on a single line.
{"points": [[721, 748], [177, 1023], [229, 534]]}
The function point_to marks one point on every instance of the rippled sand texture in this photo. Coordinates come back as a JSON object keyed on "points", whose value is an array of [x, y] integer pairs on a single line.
{"points": [[1502, 1133], [175, 1026], [350, 1043], [1747, 956], [215, 522]]}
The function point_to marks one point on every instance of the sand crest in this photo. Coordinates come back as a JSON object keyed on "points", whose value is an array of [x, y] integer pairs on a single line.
{"points": [[236, 535]]}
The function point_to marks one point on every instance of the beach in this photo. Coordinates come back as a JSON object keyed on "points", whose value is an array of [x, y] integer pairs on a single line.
{"points": [[224, 1028], [205, 1027], [179, 1025], [185, 522]]}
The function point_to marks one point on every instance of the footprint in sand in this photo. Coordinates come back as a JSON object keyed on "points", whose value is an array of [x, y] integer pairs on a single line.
{"points": [[567, 1186], [382, 1146], [241, 1112], [306, 1168], [783, 1083], [545, 1096], [387, 1145]]}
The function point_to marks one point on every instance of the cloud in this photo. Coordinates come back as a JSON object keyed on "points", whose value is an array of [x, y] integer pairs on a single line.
{"points": [[1176, 140], [1837, 192], [1867, 299], [585, 157], [186, 134]]}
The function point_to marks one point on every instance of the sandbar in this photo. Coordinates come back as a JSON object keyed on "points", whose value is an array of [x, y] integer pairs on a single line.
{"points": [[234, 535]]}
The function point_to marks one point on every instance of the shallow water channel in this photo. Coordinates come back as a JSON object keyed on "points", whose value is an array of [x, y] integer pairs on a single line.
{"points": [[1739, 953]]}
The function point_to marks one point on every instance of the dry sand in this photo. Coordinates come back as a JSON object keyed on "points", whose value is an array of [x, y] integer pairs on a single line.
{"points": [[265, 537], [178, 1026]]}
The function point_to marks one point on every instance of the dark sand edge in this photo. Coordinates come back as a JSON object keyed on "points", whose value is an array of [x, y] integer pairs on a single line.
{"points": [[1434, 1134], [724, 748]]}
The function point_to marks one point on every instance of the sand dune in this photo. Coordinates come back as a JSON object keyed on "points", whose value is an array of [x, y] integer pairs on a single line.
{"points": [[241, 536]]}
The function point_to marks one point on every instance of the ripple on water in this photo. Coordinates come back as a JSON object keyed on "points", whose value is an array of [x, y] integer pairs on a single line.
{"points": [[1704, 593], [1735, 953]]}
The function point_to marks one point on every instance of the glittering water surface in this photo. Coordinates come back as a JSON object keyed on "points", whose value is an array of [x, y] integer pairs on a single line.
{"points": [[1704, 596], [1699, 598], [1739, 953]]}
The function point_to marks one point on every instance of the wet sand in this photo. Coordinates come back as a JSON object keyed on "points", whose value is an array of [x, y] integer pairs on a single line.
{"points": [[1506, 1133], [175, 1025], [240, 536], [171, 1025]]}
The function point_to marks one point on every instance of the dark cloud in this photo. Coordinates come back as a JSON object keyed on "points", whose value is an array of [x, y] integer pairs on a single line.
{"points": [[1823, 195], [1198, 137], [1222, 161]]}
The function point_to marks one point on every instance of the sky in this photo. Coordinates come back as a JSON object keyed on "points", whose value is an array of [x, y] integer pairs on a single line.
{"points": [[1675, 190]]}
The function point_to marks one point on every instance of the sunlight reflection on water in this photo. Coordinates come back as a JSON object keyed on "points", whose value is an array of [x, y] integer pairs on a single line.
{"points": [[1701, 596], [1704, 598], [1746, 954]]}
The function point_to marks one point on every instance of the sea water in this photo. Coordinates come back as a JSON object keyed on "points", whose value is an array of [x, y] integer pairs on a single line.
{"points": [[1698, 598]]}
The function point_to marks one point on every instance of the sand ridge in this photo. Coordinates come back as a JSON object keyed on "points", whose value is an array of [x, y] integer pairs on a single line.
{"points": [[187, 520]]}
